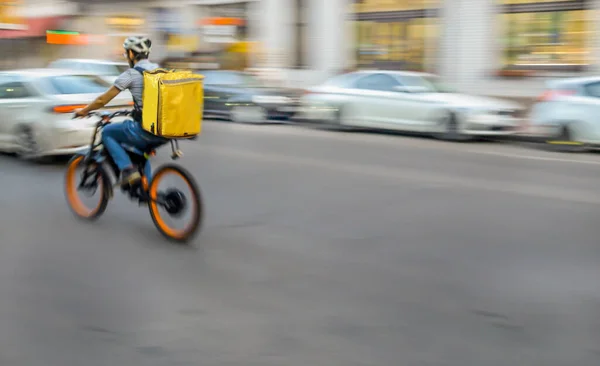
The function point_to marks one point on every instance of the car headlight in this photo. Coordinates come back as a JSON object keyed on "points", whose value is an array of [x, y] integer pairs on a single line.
{"points": [[270, 99], [481, 117]]}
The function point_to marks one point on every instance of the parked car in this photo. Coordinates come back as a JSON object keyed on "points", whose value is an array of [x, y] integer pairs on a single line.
{"points": [[407, 101], [107, 70], [567, 112], [36, 110], [241, 97]]}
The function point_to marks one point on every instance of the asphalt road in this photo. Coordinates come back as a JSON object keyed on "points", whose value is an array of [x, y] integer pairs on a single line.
{"points": [[319, 248]]}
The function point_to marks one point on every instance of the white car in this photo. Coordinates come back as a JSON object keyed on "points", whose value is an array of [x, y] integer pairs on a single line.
{"points": [[569, 112], [107, 70], [408, 101], [36, 110]]}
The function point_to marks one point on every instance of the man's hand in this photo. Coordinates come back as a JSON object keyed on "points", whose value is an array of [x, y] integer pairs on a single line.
{"points": [[81, 113]]}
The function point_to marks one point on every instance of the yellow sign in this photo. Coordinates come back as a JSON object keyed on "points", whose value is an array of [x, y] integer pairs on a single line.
{"points": [[369, 6], [125, 22], [187, 43], [241, 47], [9, 17], [529, 1], [548, 39]]}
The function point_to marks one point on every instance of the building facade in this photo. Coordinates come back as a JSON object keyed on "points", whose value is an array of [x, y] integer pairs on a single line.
{"points": [[23, 25], [90, 29], [179, 29], [488, 47]]}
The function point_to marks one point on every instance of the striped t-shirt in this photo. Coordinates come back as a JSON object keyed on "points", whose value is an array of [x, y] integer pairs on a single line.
{"points": [[133, 81]]}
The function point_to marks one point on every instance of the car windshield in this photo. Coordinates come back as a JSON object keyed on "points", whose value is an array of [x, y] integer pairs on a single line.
{"points": [[429, 84], [74, 84], [341, 81]]}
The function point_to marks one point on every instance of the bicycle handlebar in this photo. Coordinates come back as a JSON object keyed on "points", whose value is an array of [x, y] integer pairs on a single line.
{"points": [[107, 116]]}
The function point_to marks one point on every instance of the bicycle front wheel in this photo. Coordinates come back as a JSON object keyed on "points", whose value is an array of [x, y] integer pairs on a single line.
{"points": [[97, 183], [169, 204]]}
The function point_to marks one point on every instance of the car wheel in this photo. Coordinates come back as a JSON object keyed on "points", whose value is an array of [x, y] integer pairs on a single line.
{"points": [[248, 114], [28, 148], [341, 119], [451, 129], [563, 140]]}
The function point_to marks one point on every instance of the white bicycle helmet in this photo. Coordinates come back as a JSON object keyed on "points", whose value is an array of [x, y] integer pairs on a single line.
{"points": [[139, 45]]}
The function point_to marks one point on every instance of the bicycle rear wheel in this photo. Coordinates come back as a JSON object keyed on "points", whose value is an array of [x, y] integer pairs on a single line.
{"points": [[174, 202], [97, 182]]}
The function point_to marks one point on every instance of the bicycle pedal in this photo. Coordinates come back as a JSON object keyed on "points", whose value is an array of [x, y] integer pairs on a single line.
{"points": [[128, 186]]}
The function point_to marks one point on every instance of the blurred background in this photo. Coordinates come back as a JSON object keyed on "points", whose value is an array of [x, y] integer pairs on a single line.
{"points": [[494, 47], [465, 234]]}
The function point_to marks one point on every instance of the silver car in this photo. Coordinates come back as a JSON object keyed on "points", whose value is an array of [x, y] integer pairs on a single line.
{"points": [[568, 112], [107, 70], [408, 101], [36, 110]]}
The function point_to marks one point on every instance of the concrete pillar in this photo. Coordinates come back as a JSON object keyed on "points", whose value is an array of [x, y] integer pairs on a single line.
{"points": [[275, 32], [594, 39], [254, 29], [468, 42], [432, 42], [328, 36]]}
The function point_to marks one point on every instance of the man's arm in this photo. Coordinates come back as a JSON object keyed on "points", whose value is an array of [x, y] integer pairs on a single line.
{"points": [[101, 101]]}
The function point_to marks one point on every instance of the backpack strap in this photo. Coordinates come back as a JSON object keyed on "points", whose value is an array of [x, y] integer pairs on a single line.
{"points": [[136, 108], [139, 69]]}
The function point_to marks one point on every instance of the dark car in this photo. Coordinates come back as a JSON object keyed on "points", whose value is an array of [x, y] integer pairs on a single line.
{"points": [[241, 97]]}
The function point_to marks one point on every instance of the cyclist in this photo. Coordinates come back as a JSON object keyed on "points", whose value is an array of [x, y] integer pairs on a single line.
{"points": [[130, 132]]}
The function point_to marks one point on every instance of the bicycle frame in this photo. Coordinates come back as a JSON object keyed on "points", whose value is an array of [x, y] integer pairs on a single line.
{"points": [[97, 154]]}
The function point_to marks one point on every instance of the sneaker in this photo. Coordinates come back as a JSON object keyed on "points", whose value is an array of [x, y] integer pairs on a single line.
{"points": [[130, 177]]}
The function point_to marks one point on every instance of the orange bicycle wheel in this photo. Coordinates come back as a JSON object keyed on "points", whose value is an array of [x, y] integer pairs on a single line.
{"points": [[77, 206], [167, 200]]}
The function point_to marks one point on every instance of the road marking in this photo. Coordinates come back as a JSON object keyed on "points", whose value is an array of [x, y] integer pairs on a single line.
{"points": [[412, 175], [399, 141], [534, 157], [574, 143], [363, 137]]}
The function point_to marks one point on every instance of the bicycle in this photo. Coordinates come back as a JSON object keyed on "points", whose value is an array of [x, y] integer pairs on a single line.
{"points": [[95, 176]]}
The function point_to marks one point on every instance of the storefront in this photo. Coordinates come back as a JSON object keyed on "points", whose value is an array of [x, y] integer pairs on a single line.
{"points": [[9, 15], [512, 47], [545, 36], [395, 35], [23, 38], [494, 47], [171, 32], [223, 31], [202, 35]]}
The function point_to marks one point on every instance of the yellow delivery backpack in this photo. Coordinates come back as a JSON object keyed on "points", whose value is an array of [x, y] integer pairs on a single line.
{"points": [[172, 103]]}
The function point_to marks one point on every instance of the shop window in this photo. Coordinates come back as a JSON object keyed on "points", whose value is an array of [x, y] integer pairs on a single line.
{"points": [[545, 36], [402, 36]]}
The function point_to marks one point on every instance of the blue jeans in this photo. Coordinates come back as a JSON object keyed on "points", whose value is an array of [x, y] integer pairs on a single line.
{"points": [[131, 133]]}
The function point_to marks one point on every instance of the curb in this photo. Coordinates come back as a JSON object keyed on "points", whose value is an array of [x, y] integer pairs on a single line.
{"points": [[521, 137]]}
